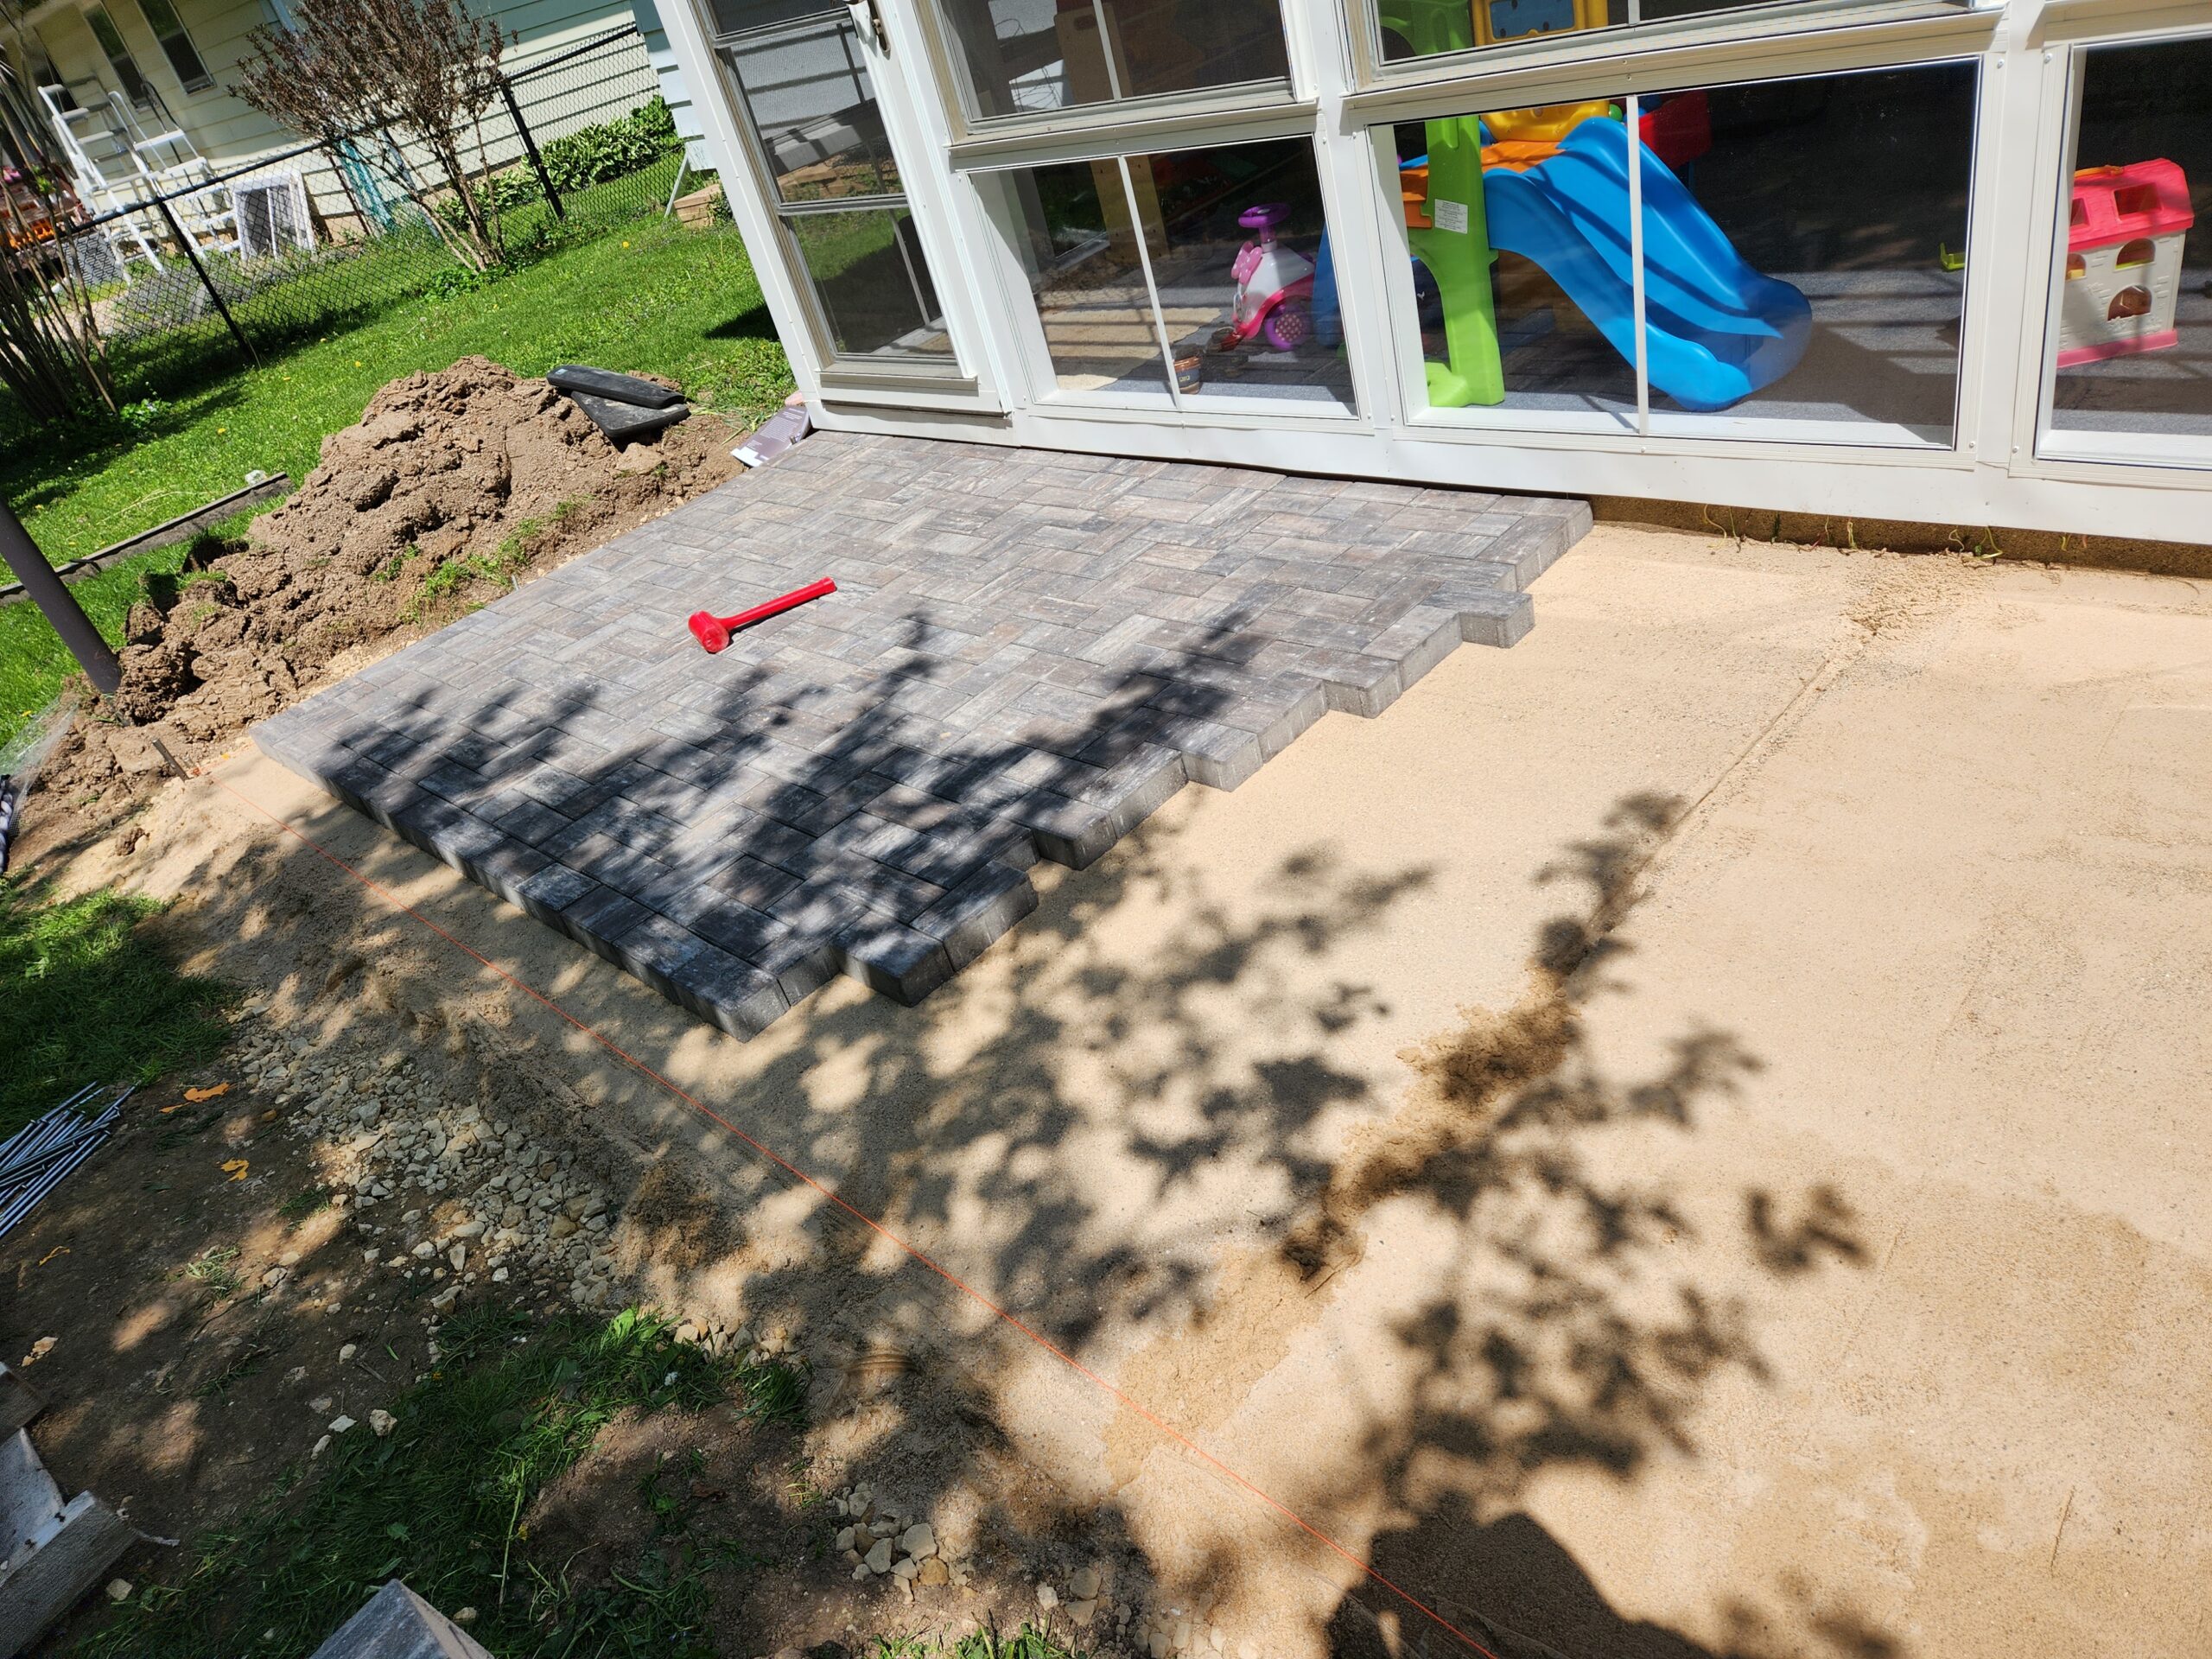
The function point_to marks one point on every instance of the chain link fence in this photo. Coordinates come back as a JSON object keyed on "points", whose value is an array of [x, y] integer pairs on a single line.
{"points": [[292, 245]]}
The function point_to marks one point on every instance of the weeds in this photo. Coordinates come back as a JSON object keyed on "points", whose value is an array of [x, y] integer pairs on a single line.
{"points": [[214, 1268], [391, 567], [247, 1362], [500, 566], [441, 1501], [304, 1202]]}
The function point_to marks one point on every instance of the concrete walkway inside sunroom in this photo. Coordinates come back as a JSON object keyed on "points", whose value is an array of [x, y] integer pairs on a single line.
{"points": [[1686, 1137]]}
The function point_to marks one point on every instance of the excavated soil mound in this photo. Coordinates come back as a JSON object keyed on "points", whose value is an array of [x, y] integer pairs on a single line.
{"points": [[453, 486]]}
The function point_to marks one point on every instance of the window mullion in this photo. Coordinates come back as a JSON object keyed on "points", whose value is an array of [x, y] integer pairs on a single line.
{"points": [[1633, 111], [1151, 288]]}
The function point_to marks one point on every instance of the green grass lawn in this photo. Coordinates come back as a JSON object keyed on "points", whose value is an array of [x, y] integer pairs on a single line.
{"points": [[86, 997], [652, 297], [441, 1503]]}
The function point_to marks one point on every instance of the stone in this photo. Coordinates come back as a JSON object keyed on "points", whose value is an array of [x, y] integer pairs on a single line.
{"points": [[918, 1539], [905, 1567], [878, 1560], [1082, 1613], [934, 1572], [321, 1403], [316, 1451], [562, 1227], [425, 1251], [118, 1589], [382, 1422], [1084, 1585], [873, 882], [844, 1538], [338, 1425], [347, 1351], [1047, 1598]]}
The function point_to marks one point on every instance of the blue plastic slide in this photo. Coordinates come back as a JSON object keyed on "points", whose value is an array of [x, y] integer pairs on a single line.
{"points": [[1719, 330]]}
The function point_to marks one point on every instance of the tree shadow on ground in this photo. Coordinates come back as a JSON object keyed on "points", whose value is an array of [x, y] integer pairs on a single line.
{"points": [[1567, 1335], [1082, 1136]]}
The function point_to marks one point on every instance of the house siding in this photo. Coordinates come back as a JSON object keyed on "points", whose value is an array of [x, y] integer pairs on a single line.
{"points": [[224, 128], [673, 86]]}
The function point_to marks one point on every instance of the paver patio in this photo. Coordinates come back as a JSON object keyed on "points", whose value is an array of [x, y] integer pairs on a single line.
{"points": [[1027, 653]]}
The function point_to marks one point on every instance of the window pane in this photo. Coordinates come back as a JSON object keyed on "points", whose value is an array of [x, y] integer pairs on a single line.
{"points": [[1804, 249], [176, 45], [874, 288], [1075, 239], [2134, 347], [1549, 326], [118, 56], [1415, 29], [1027, 55], [1240, 260], [808, 95]]}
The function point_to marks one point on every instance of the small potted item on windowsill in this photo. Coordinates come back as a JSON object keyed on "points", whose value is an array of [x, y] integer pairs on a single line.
{"points": [[1189, 370]]}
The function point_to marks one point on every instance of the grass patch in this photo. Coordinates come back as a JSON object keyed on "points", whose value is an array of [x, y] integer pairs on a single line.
{"points": [[216, 1267], [441, 1503], [86, 995], [250, 1358], [1027, 1643], [307, 1202], [500, 566], [652, 298]]}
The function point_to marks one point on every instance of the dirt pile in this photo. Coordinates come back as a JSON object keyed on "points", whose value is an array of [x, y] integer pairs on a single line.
{"points": [[452, 485]]}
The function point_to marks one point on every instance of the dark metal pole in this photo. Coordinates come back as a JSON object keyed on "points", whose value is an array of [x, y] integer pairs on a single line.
{"points": [[43, 583], [191, 252], [530, 148]]}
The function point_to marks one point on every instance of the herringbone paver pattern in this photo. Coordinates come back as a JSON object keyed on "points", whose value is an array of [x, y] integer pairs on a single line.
{"points": [[1027, 654]]}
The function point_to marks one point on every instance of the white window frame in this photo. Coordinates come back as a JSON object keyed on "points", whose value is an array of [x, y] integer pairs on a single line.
{"points": [[1990, 474], [1872, 51], [1016, 303], [206, 80], [974, 134], [954, 387], [2049, 449]]}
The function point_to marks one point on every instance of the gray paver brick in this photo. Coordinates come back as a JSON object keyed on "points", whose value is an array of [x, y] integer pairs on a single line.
{"points": [[1028, 653]]}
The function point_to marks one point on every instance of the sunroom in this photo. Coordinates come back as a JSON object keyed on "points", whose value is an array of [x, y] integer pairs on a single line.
{"points": [[1905, 259]]}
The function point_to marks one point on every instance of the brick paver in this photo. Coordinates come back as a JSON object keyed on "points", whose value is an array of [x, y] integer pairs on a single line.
{"points": [[1027, 654]]}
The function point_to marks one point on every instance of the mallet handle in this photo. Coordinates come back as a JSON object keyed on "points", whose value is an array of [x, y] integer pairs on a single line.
{"points": [[782, 602]]}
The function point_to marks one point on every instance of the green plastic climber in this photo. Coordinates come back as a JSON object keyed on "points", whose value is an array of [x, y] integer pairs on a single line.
{"points": [[1455, 245]]}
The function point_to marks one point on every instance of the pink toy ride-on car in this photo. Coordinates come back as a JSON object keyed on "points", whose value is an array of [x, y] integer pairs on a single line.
{"points": [[1274, 284]]}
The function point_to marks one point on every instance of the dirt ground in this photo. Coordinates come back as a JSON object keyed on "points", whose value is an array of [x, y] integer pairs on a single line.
{"points": [[1685, 1138], [452, 487]]}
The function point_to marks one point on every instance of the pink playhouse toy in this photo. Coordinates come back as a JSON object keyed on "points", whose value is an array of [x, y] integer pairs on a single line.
{"points": [[1274, 284], [2123, 261]]}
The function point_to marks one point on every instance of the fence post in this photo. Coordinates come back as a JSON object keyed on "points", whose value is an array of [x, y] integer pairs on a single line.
{"points": [[44, 584], [191, 252], [529, 149]]}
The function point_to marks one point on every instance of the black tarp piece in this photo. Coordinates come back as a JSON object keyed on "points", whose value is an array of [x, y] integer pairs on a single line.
{"points": [[575, 379], [626, 423]]}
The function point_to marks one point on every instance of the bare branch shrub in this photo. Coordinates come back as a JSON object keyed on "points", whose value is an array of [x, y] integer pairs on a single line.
{"points": [[425, 71], [50, 351]]}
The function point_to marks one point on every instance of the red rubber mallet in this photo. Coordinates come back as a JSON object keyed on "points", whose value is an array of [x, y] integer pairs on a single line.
{"points": [[714, 632]]}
